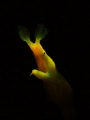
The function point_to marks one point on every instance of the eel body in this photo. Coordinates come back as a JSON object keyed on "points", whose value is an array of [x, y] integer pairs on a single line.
{"points": [[57, 89]]}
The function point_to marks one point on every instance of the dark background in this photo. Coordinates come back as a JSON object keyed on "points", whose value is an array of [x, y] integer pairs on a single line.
{"points": [[21, 96]]}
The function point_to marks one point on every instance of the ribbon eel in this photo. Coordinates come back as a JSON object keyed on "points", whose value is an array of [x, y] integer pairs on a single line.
{"points": [[57, 89]]}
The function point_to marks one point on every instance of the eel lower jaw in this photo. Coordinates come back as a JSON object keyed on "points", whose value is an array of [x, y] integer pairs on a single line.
{"points": [[41, 75]]}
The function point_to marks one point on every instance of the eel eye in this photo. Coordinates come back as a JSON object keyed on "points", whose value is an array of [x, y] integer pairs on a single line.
{"points": [[44, 53]]}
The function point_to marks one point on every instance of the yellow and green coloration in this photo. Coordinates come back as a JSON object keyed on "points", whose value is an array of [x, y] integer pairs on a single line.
{"points": [[57, 89]]}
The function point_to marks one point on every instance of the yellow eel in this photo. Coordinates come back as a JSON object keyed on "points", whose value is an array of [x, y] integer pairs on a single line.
{"points": [[57, 89]]}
